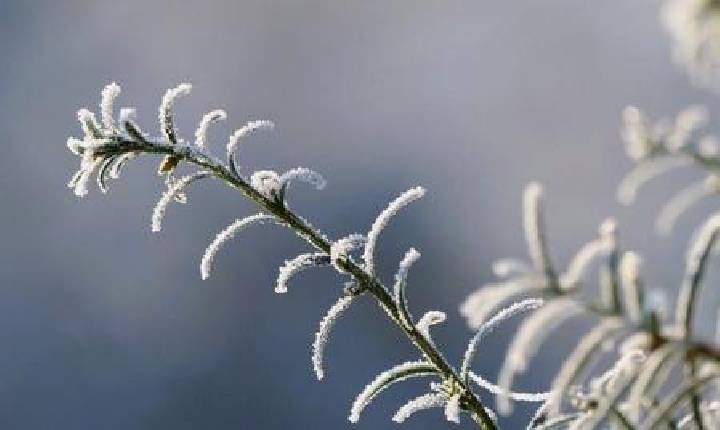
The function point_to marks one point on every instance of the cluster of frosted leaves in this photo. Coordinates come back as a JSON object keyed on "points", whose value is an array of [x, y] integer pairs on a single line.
{"points": [[109, 143], [659, 147], [694, 30], [586, 393]]}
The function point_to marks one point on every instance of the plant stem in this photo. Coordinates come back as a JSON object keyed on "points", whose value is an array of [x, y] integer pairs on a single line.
{"points": [[365, 281]]}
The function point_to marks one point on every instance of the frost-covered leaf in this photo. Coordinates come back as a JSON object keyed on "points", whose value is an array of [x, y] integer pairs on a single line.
{"points": [[382, 220], [384, 380], [228, 233], [323, 333]]}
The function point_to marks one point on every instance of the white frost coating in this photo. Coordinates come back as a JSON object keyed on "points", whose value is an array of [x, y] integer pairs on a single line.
{"points": [[75, 145], [630, 283], [533, 227], [382, 382], [246, 130], [116, 167], [579, 359], [490, 325], [303, 174], [382, 220], [91, 128], [508, 267], [294, 266], [611, 386], [323, 333], [107, 103], [452, 409], [266, 182], [686, 122], [169, 195], [481, 304], [165, 113], [411, 256], [228, 233], [426, 401], [127, 114], [88, 166], [430, 318], [694, 265], [636, 134], [651, 374], [709, 415], [681, 203], [340, 249], [530, 335], [643, 173], [518, 397], [582, 259], [207, 120], [694, 29]]}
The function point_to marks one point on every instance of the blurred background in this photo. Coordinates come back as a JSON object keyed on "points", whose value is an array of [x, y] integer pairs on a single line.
{"points": [[105, 325]]}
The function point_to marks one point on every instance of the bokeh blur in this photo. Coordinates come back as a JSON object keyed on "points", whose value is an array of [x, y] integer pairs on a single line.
{"points": [[105, 325]]}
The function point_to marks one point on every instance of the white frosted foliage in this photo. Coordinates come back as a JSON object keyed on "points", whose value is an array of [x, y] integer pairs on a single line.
{"points": [[165, 112], [266, 182], [303, 174], [490, 325], [452, 409], [227, 234], [530, 335], [341, 248], [107, 103], [426, 401], [294, 266], [481, 304], [578, 359], [695, 264], [518, 397], [430, 318], [382, 221], [643, 173], [174, 189], [246, 130], [323, 333], [534, 229], [207, 120], [630, 283], [381, 382]]}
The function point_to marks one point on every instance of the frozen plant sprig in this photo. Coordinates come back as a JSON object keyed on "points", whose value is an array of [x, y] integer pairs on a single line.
{"points": [[583, 394], [633, 392], [108, 144]]}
